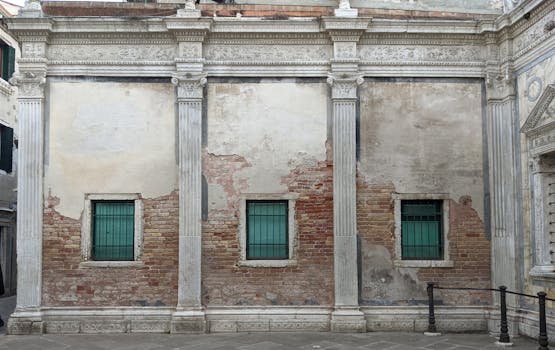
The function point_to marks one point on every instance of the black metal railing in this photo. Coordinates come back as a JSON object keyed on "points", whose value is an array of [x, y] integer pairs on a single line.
{"points": [[504, 337]]}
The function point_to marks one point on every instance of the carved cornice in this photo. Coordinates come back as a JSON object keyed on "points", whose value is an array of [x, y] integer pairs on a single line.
{"points": [[423, 63], [344, 86], [420, 39], [189, 86], [111, 63], [112, 38], [535, 15], [30, 84], [268, 63]]}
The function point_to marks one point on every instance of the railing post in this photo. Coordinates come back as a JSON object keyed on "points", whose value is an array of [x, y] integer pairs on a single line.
{"points": [[431, 315], [542, 338], [504, 332]]}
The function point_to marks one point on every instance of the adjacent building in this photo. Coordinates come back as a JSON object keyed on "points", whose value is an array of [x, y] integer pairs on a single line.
{"points": [[307, 165], [8, 155]]}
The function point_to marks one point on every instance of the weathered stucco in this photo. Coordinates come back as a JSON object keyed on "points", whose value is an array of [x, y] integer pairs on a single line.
{"points": [[267, 138], [109, 137], [426, 140], [272, 127]]}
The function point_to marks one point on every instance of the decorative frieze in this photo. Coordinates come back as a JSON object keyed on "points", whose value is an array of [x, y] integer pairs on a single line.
{"points": [[250, 52], [403, 53], [112, 52]]}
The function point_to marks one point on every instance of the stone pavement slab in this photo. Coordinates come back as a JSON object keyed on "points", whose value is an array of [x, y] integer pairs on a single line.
{"points": [[259, 341]]}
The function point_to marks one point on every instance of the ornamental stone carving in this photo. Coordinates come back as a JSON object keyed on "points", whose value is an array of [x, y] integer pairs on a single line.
{"points": [[126, 53], [533, 35], [344, 86], [189, 86], [30, 84], [33, 49], [388, 53], [345, 50], [260, 53]]}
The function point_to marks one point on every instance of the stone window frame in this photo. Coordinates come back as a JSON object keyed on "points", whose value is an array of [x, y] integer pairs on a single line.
{"points": [[444, 198], [540, 137], [291, 199], [86, 230]]}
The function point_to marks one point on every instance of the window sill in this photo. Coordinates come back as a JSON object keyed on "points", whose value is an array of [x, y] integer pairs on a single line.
{"points": [[6, 88], [109, 264], [267, 263], [423, 263]]}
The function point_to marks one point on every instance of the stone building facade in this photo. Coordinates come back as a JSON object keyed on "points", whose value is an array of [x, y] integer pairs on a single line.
{"points": [[8, 153], [263, 167]]}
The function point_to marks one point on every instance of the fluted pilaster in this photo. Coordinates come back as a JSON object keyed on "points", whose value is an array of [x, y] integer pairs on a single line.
{"points": [[347, 316], [30, 191], [190, 315], [503, 185]]}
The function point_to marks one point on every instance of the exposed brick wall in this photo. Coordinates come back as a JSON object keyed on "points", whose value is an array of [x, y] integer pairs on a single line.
{"points": [[384, 284], [73, 8], [155, 283], [310, 282], [470, 251]]}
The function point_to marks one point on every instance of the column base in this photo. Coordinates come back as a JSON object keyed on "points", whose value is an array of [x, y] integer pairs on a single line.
{"points": [[25, 322], [349, 320], [188, 321]]}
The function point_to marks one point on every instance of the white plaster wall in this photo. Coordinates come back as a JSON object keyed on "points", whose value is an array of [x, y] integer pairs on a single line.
{"points": [[424, 137], [275, 127], [109, 137]]}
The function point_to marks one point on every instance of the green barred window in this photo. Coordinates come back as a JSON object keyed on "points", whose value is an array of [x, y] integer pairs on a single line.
{"points": [[421, 230], [7, 61], [267, 230], [113, 225]]}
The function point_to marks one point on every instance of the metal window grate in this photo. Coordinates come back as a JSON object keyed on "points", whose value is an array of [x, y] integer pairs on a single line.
{"points": [[421, 230], [113, 230], [267, 230]]}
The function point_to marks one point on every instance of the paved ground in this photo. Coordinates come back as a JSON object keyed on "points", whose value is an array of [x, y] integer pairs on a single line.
{"points": [[250, 341], [259, 341]]}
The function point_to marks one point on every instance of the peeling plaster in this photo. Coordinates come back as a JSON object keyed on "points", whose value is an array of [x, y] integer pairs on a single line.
{"points": [[382, 284], [428, 140], [110, 138], [259, 133]]}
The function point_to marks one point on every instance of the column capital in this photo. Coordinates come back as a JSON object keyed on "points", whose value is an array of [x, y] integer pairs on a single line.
{"points": [[30, 84], [499, 84], [344, 86], [189, 86], [535, 164]]}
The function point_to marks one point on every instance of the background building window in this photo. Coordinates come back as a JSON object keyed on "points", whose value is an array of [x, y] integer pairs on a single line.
{"points": [[421, 230], [113, 230], [267, 230], [7, 61], [6, 148]]}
